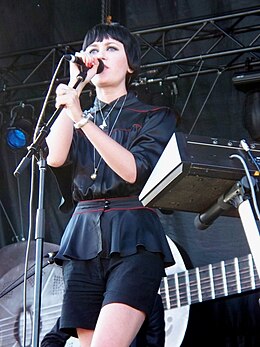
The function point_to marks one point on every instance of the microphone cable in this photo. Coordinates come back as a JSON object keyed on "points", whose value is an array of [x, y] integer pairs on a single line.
{"points": [[249, 178]]}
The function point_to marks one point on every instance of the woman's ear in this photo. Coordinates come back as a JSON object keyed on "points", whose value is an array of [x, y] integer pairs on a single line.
{"points": [[130, 71]]}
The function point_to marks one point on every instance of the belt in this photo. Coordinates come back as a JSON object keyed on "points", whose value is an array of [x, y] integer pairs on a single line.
{"points": [[121, 203]]}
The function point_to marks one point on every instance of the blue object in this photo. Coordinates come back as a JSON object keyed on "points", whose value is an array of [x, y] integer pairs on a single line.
{"points": [[16, 138]]}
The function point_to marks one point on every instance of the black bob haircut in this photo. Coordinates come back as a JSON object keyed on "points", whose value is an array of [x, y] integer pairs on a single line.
{"points": [[120, 33]]}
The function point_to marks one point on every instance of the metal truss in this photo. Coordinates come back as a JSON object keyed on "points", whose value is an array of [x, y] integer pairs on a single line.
{"points": [[207, 45], [26, 75]]}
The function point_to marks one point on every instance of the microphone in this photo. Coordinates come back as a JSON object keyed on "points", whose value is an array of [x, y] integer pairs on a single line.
{"points": [[79, 61], [203, 220]]}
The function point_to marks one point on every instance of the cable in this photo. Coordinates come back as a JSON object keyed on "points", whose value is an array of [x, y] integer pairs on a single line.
{"points": [[192, 87], [47, 98], [9, 221], [247, 149], [20, 203], [202, 107], [106, 11], [249, 181]]}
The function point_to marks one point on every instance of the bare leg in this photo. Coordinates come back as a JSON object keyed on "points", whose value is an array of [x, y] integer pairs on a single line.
{"points": [[85, 337], [117, 326]]}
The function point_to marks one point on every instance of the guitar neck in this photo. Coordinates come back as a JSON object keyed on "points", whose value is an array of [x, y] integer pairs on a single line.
{"points": [[209, 282]]}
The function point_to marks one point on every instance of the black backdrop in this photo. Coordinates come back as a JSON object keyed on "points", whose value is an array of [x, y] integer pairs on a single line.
{"points": [[27, 25]]}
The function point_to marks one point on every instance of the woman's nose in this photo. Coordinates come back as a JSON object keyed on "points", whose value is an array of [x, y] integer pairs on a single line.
{"points": [[101, 54]]}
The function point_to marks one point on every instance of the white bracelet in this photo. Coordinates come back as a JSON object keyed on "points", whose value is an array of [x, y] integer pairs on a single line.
{"points": [[84, 120]]}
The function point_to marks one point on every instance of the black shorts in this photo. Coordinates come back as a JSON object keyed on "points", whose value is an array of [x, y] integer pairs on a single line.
{"points": [[132, 280]]}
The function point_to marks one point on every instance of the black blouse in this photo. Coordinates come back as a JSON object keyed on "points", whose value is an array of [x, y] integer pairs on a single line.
{"points": [[142, 129], [108, 216]]}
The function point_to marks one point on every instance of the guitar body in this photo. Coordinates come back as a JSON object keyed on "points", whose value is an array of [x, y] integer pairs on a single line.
{"points": [[176, 319], [11, 304]]}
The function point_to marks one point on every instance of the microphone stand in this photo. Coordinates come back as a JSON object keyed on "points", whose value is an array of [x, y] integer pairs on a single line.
{"points": [[238, 198], [36, 147], [39, 237]]}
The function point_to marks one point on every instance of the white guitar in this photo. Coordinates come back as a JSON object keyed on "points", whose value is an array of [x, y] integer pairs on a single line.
{"points": [[179, 290]]}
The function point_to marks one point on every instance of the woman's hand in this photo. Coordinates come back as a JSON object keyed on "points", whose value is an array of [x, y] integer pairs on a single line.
{"points": [[68, 98], [91, 63]]}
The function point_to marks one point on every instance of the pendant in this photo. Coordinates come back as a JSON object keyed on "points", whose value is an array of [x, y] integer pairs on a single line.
{"points": [[103, 125], [94, 175]]}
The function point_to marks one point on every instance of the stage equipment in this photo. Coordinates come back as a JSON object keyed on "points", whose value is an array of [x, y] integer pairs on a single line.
{"points": [[193, 172], [252, 114], [200, 175], [245, 81], [20, 130], [249, 83]]}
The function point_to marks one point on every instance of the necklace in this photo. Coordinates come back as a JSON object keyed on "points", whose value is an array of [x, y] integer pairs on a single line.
{"points": [[96, 167], [104, 123]]}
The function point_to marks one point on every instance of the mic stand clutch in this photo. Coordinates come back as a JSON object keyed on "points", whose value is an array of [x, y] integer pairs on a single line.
{"points": [[223, 204], [36, 147]]}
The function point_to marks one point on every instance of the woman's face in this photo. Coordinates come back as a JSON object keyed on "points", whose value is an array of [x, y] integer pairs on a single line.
{"points": [[112, 53]]}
